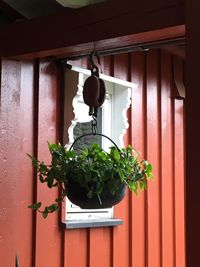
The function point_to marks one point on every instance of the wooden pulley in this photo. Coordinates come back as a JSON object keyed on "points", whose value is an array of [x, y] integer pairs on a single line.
{"points": [[94, 90], [102, 92], [91, 90]]}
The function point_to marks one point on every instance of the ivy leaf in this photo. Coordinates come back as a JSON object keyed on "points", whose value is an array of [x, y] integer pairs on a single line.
{"points": [[149, 168], [33, 159], [134, 186], [35, 206], [59, 200], [42, 179], [53, 207], [143, 185], [44, 214], [52, 147], [121, 173], [116, 154], [50, 181]]}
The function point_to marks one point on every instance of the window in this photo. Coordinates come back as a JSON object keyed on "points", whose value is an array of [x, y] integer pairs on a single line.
{"points": [[112, 121]]}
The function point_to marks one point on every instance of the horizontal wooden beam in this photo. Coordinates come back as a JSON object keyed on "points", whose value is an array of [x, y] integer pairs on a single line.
{"points": [[107, 25]]}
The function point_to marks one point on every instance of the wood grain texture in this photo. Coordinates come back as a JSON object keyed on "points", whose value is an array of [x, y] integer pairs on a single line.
{"points": [[76, 248], [121, 239], [167, 164], [138, 122], [16, 172], [47, 231], [179, 184], [100, 247], [152, 153]]}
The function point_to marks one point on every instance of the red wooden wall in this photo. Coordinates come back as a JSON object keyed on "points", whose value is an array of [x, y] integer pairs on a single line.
{"points": [[152, 233]]}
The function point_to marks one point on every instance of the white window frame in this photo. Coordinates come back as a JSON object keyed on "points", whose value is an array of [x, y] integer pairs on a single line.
{"points": [[119, 92]]}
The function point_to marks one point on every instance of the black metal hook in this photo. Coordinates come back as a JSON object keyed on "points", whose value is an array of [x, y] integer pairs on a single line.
{"points": [[91, 58], [99, 134], [94, 67]]}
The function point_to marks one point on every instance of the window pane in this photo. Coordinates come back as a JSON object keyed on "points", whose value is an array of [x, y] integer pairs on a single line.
{"points": [[82, 128]]}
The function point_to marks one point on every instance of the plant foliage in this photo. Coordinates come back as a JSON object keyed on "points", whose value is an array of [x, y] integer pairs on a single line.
{"points": [[92, 168]]}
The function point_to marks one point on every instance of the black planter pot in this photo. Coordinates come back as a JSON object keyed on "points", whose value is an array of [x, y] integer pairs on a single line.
{"points": [[78, 196]]}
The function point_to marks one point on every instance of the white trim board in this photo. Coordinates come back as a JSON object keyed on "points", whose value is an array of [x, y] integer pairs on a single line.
{"points": [[106, 77]]}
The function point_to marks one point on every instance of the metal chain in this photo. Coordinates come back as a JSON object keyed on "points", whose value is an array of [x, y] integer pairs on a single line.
{"points": [[94, 125]]}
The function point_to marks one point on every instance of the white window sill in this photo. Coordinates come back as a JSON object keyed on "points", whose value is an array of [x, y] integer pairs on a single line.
{"points": [[74, 224]]}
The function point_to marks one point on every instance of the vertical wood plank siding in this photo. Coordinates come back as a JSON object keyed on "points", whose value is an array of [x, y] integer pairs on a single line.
{"points": [[152, 234]]}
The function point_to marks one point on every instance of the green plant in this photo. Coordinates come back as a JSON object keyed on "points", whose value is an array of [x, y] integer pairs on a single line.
{"points": [[92, 168]]}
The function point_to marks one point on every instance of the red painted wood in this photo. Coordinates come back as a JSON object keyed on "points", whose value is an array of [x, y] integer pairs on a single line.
{"points": [[100, 247], [136, 39], [15, 169], [179, 183], [121, 253], [106, 65], [26, 174], [152, 233], [138, 216], [152, 154], [48, 235], [76, 248], [168, 245]]}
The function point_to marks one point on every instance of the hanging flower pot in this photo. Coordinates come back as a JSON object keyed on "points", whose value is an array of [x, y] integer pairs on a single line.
{"points": [[103, 189], [78, 195], [92, 178]]}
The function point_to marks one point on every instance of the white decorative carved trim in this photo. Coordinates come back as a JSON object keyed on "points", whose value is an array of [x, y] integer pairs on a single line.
{"points": [[125, 124], [78, 98]]}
